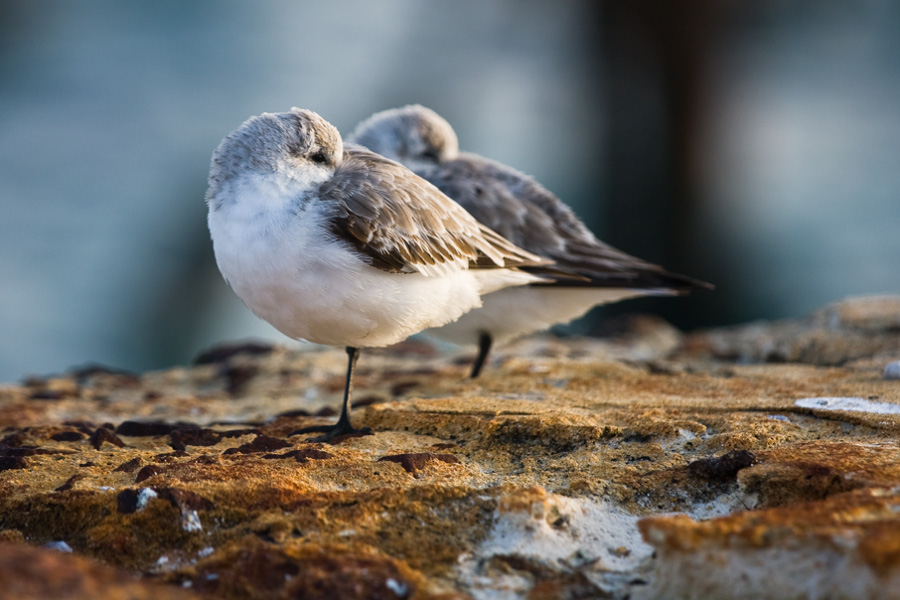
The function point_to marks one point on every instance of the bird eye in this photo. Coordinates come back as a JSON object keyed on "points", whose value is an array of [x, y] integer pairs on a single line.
{"points": [[319, 157]]}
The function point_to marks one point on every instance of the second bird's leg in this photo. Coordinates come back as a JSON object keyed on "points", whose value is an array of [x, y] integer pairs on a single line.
{"points": [[484, 348]]}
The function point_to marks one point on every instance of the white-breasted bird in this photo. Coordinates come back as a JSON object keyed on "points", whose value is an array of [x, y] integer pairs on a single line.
{"points": [[334, 244]]}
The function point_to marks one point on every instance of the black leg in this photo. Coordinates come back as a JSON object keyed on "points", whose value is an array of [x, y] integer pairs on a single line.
{"points": [[484, 348], [343, 426]]}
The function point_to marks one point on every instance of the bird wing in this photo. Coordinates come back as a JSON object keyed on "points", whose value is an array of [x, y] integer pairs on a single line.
{"points": [[530, 216], [401, 223]]}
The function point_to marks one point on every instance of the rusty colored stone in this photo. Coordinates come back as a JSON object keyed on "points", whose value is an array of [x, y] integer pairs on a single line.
{"points": [[103, 434], [261, 443], [622, 467], [31, 573], [412, 463]]}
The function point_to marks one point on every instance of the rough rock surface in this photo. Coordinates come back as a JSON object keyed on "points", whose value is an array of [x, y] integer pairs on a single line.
{"points": [[642, 466], [855, 332]]}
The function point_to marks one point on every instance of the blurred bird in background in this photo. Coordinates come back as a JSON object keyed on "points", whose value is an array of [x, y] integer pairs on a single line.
{"points": [[524, 212]]}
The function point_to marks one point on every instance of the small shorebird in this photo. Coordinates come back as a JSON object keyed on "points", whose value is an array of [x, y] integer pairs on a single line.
{"points": [[334, 244], [524, 212]]}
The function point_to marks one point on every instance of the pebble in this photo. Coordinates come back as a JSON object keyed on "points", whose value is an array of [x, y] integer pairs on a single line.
{"points": [[892, 371]]}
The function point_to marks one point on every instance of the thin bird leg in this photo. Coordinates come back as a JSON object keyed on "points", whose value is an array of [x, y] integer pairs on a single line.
{"points": [[343, 426], [343, 422], [484, 348]]}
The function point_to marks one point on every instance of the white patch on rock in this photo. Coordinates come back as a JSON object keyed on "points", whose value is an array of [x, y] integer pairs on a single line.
{"points": [[558, 533], [853, 404], [399, 588], [144, 496], [190, 521], [687, 435], [58, 546], [892, 370]]}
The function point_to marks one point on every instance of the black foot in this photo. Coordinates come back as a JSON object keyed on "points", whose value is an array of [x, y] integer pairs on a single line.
{"points": [[330, 432]]}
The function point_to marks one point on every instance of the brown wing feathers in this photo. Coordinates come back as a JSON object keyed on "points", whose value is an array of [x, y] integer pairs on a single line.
{"points": [[376, 213]]}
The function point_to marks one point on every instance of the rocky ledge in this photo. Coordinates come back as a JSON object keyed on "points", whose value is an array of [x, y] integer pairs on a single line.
{"points": [[758, 461]]}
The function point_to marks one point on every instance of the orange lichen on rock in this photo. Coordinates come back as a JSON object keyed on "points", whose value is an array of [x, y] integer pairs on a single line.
{"points": [[555, 474]]}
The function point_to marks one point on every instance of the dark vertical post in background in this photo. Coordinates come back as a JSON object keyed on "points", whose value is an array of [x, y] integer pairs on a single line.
{"points": [[654, 54]]}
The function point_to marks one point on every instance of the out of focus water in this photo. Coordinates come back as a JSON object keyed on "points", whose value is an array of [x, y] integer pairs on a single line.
{"points": [[109, 112]]}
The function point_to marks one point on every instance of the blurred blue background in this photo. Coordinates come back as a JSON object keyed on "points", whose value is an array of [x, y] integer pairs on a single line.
{"points": [[752, 144]]}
